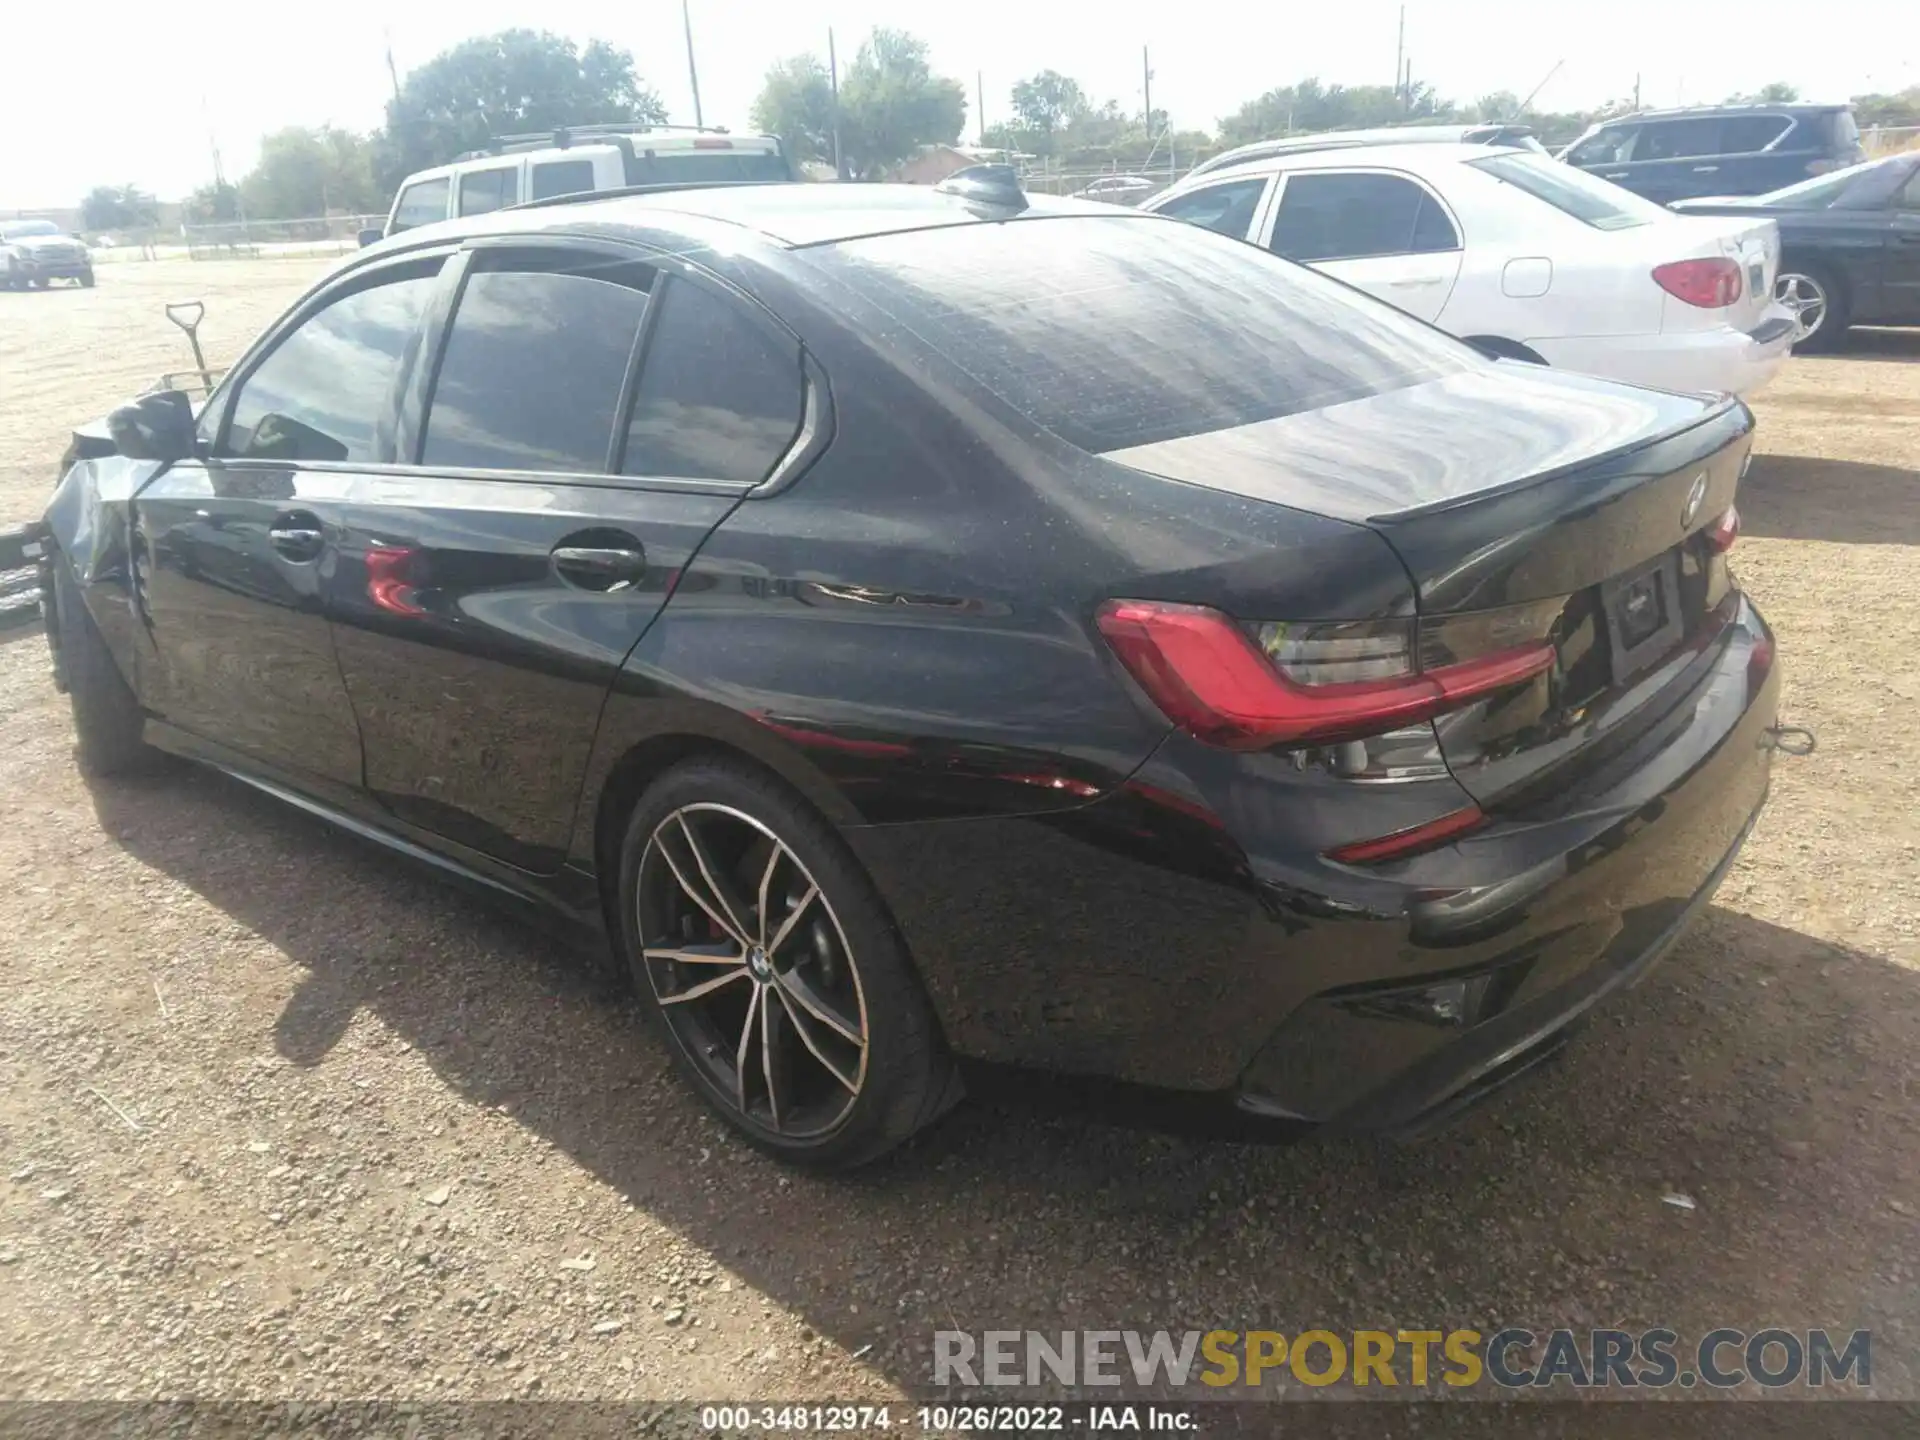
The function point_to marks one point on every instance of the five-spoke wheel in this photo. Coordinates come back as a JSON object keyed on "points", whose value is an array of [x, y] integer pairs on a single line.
{"points": [[751, 966], [761, 947]]}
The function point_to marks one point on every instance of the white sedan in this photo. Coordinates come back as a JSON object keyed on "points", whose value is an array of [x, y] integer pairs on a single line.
{"points": [[1519, 254]]}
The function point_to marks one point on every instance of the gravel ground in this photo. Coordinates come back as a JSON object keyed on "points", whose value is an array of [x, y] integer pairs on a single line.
{"points": [[280, 1119]]}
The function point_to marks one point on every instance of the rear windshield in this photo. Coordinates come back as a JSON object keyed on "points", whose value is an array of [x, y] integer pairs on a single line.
{"points": [[699, 167], [1126, 331], [1599, 203]]}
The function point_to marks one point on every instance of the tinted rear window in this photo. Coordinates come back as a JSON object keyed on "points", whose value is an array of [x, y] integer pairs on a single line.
{"points": [[1130, 330], [562, 177]]}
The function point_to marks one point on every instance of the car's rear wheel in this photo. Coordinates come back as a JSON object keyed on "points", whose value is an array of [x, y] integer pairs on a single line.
{"points": [[1819, 304], [86, 281], [107, 719], [761, 948]]}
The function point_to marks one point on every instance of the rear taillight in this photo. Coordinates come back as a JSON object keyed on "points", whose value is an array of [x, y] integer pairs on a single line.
{"points": [[1724, 531], [705, 142], [1302, 684], [1708, 283]]}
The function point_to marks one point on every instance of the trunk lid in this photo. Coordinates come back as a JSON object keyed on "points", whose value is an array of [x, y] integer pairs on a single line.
{"points": [[1581, 506], [1751, 242]]}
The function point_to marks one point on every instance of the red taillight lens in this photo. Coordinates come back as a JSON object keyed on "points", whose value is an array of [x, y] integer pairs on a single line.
{"points": [[1709, 283], [1208, 677], [1724, 531]]}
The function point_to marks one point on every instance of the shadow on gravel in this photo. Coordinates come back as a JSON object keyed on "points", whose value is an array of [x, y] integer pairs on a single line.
{"points": [[1763, 1074], [1800, 497], [1875, 344]]}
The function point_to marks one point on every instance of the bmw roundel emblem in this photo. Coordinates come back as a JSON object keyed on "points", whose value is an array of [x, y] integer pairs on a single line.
{"points": [[1696, 497]]}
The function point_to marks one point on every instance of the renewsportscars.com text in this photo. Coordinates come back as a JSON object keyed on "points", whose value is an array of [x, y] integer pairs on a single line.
{"points": [[1224, 1360]]}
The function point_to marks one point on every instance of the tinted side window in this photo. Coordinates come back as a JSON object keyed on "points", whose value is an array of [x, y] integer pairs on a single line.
{"points": [[1227, 208], [719, 397], [484, 190], [1678, 139], [421, 204], [532, 372], [1336, 217], [1744, 134], [1611, 146], [1909, 196], [322, 392], [561, 177]]}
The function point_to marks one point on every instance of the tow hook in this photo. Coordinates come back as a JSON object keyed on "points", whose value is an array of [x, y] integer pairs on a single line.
{"points": [[1790, 739]]}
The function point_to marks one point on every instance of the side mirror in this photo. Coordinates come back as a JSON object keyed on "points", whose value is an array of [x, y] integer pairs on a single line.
{"points": [[371, 237], [154, 427]]}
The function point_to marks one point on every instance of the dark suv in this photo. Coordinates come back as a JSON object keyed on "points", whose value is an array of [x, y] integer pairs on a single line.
{"points": [[1669, 155]]}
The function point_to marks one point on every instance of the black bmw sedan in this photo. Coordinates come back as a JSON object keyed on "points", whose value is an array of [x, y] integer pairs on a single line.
{"points": [[1849, 246], [937, 634]]}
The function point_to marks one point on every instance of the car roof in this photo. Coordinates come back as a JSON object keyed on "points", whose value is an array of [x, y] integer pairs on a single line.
{"points": [[786, 215], [1706, 112], [1424, 155]]}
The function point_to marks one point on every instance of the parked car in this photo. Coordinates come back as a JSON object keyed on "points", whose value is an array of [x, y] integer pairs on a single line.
{"points": [[1850, 246], [38, 252], [1521, 255], [1669, 155], [585, 158], [1119, 189], [921, 625], [1518, 137]]}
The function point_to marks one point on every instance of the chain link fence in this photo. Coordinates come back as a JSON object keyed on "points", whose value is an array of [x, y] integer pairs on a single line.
{"points": [[244, 240]]}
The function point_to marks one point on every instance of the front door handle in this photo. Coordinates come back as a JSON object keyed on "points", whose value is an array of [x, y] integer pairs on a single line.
{"points": [[1705, 169], [601, 567], [297, 535], [1411, 284]]}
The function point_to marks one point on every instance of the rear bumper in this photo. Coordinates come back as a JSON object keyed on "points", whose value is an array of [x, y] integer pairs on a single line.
{"points": [[1739, 362], [1136, 940]]}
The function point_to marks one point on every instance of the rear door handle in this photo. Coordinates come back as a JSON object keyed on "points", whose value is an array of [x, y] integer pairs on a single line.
{"points": [[1411, 284], [1705, 169], [297, 535], [1613, 174], [601, 567]]}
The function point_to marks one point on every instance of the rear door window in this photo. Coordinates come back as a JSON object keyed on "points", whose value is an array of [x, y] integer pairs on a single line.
{"points": [[485, 190], [1678, 139], [1746, 134], [421, 203], [1347, 216], [720, 396], [534, 367], [561, 177], [323, 391], [1122, 331], [1228, 209]]}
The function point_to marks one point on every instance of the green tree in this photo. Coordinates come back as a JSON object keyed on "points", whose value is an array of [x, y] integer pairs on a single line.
{"points": [[796, 103], [1500, 105], [1046, 103], [213, 204], [892, 103], [1900, 110], [303, 172], [118, 207], [513, 82], [1309, 106], [1778, 93]]}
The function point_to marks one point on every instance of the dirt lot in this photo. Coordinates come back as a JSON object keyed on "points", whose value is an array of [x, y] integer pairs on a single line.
{"points": [[278, 1118]]}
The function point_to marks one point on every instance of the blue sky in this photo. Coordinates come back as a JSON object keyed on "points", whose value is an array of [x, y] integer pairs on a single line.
{"points": [[131, 93]]}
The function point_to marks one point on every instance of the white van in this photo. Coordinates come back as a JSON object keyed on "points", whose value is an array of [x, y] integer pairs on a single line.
{"points": [[580, 160]]}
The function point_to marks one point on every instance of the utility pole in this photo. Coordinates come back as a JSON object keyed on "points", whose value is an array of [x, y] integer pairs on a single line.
{"points": [[393, 72], [1636, 92], [1399, 57], [833, 82], [980, 105], [693, 74], [1146, 89]]}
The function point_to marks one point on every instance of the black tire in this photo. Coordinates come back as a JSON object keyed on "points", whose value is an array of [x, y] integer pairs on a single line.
{"points": [[1837, 313], [904, 1078], [86, 281], [107, 718]]}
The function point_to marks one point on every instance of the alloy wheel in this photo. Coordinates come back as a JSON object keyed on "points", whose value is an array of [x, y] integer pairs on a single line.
{"points": [[1806, 297], [752, 970]]}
